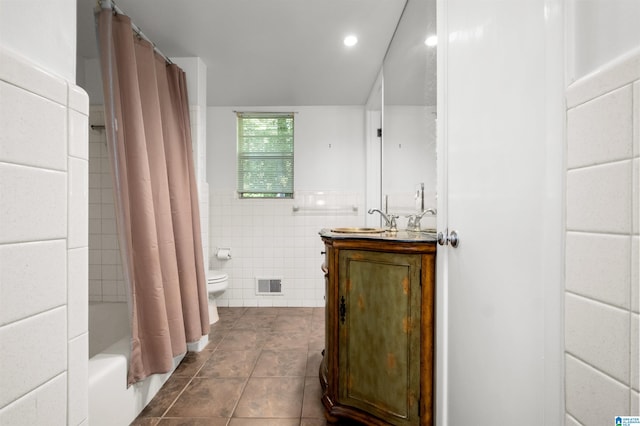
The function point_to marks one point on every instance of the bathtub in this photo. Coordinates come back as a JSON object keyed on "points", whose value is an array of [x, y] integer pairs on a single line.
{"points": [[111, 403]]}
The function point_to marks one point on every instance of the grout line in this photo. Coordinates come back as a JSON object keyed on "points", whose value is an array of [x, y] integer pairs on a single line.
{"points": [[244, 387], [43, 240], [35, 167], [176, 398], [597, 369], [612, 162], [591, 299], [605, 233], [164, 413], [246, 382]]}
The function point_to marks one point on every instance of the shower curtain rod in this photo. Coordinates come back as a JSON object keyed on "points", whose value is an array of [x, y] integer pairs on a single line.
{"points": [[110, 4]]}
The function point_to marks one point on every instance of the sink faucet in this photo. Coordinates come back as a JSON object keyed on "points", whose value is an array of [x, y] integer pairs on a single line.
{"points": [[389, 220], [413, 224]]}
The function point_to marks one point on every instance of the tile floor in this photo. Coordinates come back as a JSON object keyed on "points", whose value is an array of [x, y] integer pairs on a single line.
{"points": [[260, 368]]}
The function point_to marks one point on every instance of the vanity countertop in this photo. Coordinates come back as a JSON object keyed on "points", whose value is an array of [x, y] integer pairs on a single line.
{"points": [[399, 236]]}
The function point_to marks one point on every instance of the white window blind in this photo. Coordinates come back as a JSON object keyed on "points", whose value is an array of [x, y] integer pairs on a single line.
{"points": [[265, 155]]}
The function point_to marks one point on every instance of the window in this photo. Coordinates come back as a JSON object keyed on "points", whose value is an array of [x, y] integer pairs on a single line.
{"points": [[265, 155]]}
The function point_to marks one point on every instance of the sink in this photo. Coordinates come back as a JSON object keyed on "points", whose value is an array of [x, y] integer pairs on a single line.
{"points": [[358, 230]]}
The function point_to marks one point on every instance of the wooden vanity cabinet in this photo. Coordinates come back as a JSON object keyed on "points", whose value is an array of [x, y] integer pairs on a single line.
{"points": [[377, 367]]}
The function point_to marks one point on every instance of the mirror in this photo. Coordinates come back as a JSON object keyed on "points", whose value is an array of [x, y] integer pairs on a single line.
{"points": [[408, 158]]}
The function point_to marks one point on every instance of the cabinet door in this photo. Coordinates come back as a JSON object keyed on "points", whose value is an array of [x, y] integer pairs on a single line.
{"points": [[379, 333]]}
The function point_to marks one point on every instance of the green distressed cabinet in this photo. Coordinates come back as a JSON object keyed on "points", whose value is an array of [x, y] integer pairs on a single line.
{"points": [[377, 367]]}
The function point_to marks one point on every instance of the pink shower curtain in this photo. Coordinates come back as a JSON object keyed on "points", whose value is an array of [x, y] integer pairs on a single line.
{"points": [[149, 140]]}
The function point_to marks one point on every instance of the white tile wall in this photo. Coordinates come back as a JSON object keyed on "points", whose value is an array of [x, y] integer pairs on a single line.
{"points": [[78, 292], [635, 219], [77, 256], [40, 142], [634, 354], [78, 135], [597, 267], [269, 240], [78, 194], [593, 330], [593, 398], [78, 377], [39, 407], [601, 129], [599, 198], [106, 283], [635, 275], [36, 350], [37, 269], [602, 256], [43, 245], [33, 203]]}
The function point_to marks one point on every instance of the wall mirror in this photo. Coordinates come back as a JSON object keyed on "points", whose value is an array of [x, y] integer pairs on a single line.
{"points": [[408, 152]]}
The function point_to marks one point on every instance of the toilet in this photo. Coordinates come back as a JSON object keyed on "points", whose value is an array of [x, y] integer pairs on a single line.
{"points": [[217, 283]]}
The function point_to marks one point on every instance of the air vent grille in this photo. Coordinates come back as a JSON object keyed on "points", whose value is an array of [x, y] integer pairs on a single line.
{"points": [[269, 286]]}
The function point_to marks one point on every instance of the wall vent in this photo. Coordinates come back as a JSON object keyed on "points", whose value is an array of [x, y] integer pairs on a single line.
{"points": [[271, 286]]}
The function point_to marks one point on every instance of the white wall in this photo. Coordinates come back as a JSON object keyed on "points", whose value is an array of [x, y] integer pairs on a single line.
{"points": [[44, 32], [601, 259], [598, 32], [267, 238], [90, 79], [43, 217], [329, 147]]}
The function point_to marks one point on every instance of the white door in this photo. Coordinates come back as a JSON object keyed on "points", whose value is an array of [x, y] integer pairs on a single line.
{"points": [[499, 293]]}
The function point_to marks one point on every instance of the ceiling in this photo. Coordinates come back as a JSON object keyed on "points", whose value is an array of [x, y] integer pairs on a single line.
{"points": [[267, 52]]}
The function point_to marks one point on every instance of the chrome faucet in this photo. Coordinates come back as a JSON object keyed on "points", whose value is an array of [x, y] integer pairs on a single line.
{"points": [[413, 224], [389, 219]]}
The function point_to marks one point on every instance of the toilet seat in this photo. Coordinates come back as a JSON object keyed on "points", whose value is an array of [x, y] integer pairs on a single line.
{"points": [[215, 276]]}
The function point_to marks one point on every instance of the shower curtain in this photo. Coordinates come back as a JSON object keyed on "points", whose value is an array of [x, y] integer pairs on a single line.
{"points": [[149, 141]]}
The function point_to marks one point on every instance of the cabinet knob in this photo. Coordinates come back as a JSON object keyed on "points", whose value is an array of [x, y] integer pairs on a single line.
{"points": [[323, 252]]}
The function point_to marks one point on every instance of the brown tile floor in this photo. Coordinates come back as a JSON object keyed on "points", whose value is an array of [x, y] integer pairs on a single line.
{"points": [[260, 368]]}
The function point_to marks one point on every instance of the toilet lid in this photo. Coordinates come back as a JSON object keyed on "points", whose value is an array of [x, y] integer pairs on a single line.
{"points": [[214, 275]]}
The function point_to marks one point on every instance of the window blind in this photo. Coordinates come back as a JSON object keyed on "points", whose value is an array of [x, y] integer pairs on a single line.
{"points": [[265, 155]]}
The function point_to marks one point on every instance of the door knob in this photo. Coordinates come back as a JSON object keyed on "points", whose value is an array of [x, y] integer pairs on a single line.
{"points": [[448, 238], [453, 239]]}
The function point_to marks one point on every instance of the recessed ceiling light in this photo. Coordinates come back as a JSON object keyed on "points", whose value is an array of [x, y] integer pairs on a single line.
{"points": [[431, 41], [350, 40]]}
